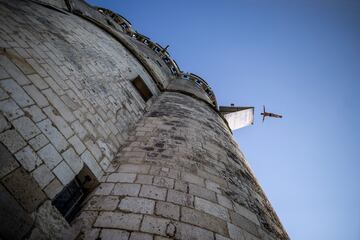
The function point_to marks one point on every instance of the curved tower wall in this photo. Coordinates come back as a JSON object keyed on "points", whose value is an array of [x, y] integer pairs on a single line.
{"points": [[163, 167]]}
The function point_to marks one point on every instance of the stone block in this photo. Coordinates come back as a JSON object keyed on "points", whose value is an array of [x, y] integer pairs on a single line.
{"points": [[15, 222], [114, 234], [132, 168], [28, 158], [186, 231], [12, 140], [94, 149], [79, 129], [246, 213], [7, 161], [144, 179], [153, 192], [58, 121], [24, 188], [16, 92], [104, 189], [203, 220], [235, 232], [26, 127], [50, 156], [137, 205], [38, 142], [140, 236], [104, 203], [191, 178], [244, 223], [202, 192], [128, 221], [213, 186], [59, 105], [38, 81], [181, 186], [180, 198], [64, 173], [167, 210], [52, 223], [73, 160], [122, 177], [53, 188], [90, 161], [43, 175], [219, 237], [36, 95], [224, 201], [4, 124], [55, 137], [211, 208], [77, 144], [35, 113], [154, 225], [10, 109], [126, 189], [163, 182], [13, 70]]}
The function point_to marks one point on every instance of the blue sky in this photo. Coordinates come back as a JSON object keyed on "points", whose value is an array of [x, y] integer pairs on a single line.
{"points": [[300, 59]]}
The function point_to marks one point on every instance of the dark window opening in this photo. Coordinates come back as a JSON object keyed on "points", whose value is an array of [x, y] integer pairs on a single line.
{"points": [[142, 88], [69, 200]]}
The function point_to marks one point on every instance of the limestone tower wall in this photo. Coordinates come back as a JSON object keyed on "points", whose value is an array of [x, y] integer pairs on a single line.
{"points": [[102, 136]]}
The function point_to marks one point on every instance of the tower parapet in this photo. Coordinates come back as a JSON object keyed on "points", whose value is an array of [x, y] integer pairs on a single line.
{"points": [[103, 136]]}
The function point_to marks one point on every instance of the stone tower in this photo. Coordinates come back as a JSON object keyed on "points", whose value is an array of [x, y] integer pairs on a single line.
{"points": [[102, 136]]}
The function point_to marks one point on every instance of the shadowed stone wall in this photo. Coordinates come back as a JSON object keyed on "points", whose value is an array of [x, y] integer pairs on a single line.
{"points": [[167, 168]]}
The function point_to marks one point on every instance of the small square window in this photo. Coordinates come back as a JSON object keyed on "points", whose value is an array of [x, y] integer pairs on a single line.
{"points": [[69, 200], [142, 88]]}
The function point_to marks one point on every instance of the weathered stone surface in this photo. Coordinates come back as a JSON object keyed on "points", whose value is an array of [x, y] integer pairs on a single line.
{"points": [[167, 210], [144, 179], [235, 232], [64, 173], [104, 189], [50, 221], [12, 140], [128, 221], [140, 236], [114, 234], [164, 182], [66, 89], [186, 231], [180, 198], [202, 192], [15, 222], [122, 177], [137, 205], [53, 188], [28, 158], [244, 223], [7, 161], [24, 188], [26, 127], [153, 192], [211, 208], [126, 189], [50, 156], [204, 220], [246, 213], [106, 203], [43, 175], [154, 225]]}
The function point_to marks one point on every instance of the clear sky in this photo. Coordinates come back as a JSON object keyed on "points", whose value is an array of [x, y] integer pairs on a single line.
{"points": [[300, 59]]}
